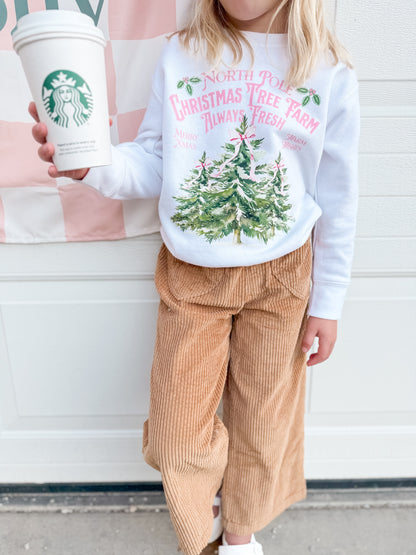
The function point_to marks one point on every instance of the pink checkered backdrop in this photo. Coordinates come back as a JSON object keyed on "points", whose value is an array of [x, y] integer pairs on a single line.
{"points": [[35, 208]]}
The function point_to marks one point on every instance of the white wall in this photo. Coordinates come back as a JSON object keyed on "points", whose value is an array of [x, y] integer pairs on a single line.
{"points": [[361, 418]]}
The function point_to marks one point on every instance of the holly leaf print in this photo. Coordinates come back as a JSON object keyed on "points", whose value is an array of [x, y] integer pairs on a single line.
{"points": [[181, 84], [189, 89], [316, 99], [305, 100], [195, 80], [302, 90]]}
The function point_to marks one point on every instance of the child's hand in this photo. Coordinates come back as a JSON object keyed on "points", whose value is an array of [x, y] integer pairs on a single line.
{"points": [[47, 150], [326, 331]]}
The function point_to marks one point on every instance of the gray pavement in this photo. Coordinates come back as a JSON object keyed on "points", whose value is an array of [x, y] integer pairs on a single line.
{"points": [[328, 522]]}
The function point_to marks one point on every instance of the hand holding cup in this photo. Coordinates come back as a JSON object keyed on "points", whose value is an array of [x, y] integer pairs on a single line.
{"points": [[47, 150]]}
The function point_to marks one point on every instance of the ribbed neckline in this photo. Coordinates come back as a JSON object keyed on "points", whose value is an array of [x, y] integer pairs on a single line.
{"points": [[273, 39]]}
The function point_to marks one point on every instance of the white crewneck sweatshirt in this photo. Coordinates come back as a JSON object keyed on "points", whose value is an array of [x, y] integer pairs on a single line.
{"points": [[246, 167]]}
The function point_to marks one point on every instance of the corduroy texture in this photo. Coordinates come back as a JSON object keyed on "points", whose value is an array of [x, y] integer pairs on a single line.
{"points": [[235, 333]]}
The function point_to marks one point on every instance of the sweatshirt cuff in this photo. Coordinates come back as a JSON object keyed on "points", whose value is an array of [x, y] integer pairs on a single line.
{"points": [[326, 300], [107, 179]]}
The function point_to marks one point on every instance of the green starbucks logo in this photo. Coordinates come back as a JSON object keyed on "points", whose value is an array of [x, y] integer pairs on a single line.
{"points": [[67, 98]]}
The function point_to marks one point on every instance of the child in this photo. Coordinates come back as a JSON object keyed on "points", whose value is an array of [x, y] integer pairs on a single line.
{"points": [[250, 140]]}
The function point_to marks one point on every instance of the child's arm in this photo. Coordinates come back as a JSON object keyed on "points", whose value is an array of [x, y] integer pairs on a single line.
{"points": [[337, 195], [334, 231], [136, 170]]}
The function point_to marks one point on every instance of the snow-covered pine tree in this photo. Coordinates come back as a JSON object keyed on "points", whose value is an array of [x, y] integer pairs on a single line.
{"points": [[275, 194], [233, 196], [192, 206]]}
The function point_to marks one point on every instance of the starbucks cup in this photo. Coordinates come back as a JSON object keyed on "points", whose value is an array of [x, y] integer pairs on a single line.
{"points": [[62, 54]]}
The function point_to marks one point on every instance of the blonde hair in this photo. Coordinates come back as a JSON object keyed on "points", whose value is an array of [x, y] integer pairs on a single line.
{"points": [[308, 36]]}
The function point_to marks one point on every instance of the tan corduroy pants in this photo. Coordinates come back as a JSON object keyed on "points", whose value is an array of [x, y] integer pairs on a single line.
{"points": [[234, 333]]}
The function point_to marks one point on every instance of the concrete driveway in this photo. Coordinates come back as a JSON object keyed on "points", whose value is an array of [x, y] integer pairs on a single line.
{"points": [[328, 522]]}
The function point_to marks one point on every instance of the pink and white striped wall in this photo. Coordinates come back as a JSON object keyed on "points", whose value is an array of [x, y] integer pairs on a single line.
{"points": [[35, 208]]}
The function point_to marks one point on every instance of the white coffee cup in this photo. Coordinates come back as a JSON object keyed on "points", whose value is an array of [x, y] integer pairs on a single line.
{"points": [[62, 54]]}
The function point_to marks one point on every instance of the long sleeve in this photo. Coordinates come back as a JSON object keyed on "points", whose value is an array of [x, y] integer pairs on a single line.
{"points": [[337, 195], [136, 170]]}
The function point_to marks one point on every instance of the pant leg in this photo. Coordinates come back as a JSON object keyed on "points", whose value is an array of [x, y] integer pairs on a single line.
{"points": [[264, 398], [183, 437]]}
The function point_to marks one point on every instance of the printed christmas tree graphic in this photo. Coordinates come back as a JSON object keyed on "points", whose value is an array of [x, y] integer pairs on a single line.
{"points": [[276, 195], [193, 206], [235, 195]]}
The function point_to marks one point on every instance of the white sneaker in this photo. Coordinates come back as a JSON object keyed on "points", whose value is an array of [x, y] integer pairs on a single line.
{"points": [[252, 548], [217, 526]]}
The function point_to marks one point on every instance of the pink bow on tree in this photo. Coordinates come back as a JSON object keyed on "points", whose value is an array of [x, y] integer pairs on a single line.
{"points": [[200, 166], [203, 165], [276, 167], [239, 139]]}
